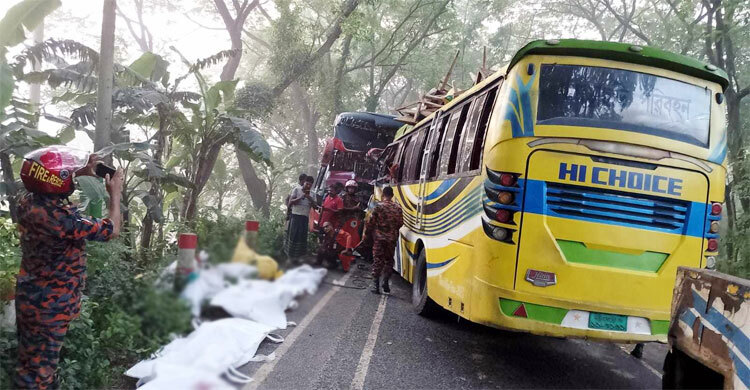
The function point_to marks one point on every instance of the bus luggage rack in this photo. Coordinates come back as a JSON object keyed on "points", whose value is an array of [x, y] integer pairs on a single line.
{"points": [[616, 207]]}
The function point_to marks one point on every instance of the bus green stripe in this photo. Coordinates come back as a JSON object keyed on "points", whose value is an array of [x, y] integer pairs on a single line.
{"points": [[577, 252], [659, 327], [549, 314]]}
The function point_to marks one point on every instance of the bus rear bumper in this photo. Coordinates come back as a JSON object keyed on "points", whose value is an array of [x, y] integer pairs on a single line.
{"points": [[510, 310]]}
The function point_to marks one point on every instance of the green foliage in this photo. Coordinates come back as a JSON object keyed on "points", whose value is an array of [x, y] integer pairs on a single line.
{"points": [[7, 84], [10, 257], [218, 234], [271, 235], [123, 319], [28, 14], [256, 99]]}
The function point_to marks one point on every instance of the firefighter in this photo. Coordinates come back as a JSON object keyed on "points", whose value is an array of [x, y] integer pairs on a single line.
{"points": [[334, 242], [382, 228], [53, 267]]}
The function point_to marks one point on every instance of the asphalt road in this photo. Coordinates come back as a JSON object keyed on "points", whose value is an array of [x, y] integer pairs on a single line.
{"points": [[349, 338]]}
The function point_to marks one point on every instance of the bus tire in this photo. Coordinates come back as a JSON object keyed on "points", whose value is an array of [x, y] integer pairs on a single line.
{"points": [[683, 372], [421, 302]]}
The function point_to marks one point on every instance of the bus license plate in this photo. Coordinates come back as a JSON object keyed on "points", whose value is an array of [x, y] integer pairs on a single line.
{"points": [[608, 322]]}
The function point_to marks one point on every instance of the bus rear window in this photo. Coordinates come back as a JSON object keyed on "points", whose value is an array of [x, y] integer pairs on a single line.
{"points": [[574, 95]]}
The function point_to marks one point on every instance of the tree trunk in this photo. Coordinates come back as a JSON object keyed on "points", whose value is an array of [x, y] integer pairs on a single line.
{"points": [[155, 190], [206, 161], [103, 134], [35, 89], [309, 117], [338, 104], [256, 187], [334, 32], [10, 180]]}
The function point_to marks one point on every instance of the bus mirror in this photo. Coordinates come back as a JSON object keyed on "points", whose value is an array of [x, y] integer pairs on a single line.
{"points": [[719, 97]]}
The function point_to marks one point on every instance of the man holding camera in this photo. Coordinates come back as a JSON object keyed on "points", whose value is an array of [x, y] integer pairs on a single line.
{"points": [[300, 201], [53, 244]]}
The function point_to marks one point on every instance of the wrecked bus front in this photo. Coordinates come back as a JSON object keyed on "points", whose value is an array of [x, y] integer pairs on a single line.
{"points": [[709, 333]]}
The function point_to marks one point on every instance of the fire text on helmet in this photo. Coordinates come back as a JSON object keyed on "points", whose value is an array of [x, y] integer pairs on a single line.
{"points": [[41, 173]]}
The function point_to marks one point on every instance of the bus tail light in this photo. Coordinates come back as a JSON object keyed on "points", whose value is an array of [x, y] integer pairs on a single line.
{"points": [[711, 262], [713, 245], [716, 209], [503, 216], [505, 197], [507, 179], [714, 227], [500, 234]]}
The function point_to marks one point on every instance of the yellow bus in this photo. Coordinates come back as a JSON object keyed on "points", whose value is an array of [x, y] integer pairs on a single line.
{"points": [[559, 195]]}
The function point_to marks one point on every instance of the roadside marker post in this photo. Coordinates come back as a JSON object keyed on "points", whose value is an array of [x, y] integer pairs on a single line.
{"points": [[251, 234], [186, 244]]}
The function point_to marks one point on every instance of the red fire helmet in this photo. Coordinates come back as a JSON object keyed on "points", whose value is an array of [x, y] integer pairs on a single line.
{"points": [[50, 170]]}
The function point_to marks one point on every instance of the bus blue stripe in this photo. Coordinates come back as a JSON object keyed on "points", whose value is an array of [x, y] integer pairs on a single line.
{"points": [[535, 202], [438, 265], [444, 186]]}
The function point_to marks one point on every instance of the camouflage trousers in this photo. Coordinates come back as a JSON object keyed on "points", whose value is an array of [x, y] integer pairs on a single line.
{"points": [[43, 314], [382, 258]]}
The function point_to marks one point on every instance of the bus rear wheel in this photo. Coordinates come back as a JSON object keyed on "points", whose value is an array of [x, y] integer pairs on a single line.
{"points": [[421, 302]]}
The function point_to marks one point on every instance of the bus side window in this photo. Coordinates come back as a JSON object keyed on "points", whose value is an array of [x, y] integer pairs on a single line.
{"points": [[478, 144], [419, 144], [470, 130], [436, 143], [452, 139], [388, 159], [398, 162], [407, 159]]}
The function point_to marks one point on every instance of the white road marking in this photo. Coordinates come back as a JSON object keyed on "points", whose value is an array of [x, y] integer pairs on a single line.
{"points": [[263, 372], [358, 383], [648, 366]]}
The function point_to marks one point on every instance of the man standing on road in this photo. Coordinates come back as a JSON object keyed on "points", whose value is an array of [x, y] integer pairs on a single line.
{"points": [[53, 265], [300, 201], [383, 226], [301, 182]]}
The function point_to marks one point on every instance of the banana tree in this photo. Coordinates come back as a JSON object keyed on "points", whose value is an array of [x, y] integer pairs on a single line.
{"points": [[211, 124], [18, 119]]}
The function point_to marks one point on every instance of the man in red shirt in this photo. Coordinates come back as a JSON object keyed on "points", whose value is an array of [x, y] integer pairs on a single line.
{"points": [[332, 205]]}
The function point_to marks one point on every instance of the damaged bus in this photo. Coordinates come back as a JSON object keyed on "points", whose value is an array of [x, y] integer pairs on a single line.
{"points": [[559, 195], [358, 139]]}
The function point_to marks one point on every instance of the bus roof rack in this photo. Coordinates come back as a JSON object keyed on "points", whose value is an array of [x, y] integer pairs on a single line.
{"points": [[643, 55]]}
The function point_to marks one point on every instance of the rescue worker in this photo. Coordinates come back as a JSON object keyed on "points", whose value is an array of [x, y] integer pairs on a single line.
{"points": [[332, 205], [352, 205], [53, 268], [382, 228], [334, 242]]}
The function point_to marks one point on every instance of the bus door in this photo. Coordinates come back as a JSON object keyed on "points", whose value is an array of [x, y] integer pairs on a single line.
{"points": [[424, 169]]}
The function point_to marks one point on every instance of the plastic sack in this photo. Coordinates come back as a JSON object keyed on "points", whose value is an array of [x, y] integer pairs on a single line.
{"points": [[214, 347], [257, 300], [302, 280], [267, 267]]}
